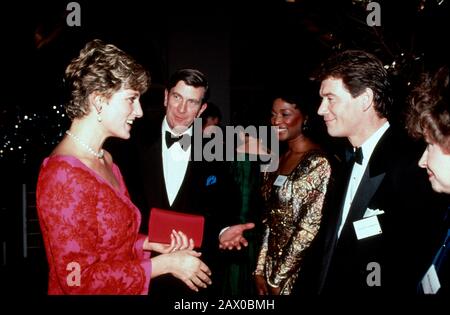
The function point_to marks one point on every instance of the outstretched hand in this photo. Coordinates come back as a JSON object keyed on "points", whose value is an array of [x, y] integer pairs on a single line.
{"points": [[233, 237], [187, 267], [178, 241]]}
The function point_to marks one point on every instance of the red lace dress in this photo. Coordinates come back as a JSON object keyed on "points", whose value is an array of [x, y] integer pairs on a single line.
{"points": [[90, 231]]}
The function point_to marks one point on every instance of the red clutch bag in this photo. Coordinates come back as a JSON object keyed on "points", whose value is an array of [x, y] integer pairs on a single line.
{"points": [[162, 222]]}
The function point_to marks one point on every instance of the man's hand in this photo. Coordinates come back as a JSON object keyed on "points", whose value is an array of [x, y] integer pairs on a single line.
{"points": [[233, 236]]}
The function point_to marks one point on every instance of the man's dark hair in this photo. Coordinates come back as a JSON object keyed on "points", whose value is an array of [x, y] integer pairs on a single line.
{"points": [[191, 77], [360, 70]]}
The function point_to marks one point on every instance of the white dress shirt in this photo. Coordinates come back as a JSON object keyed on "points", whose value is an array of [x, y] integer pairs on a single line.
{"points": [[175, 162], [358, 171]]}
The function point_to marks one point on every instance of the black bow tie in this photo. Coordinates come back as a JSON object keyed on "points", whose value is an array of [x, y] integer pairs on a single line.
{"points": [[185, 140], [355, 155]]}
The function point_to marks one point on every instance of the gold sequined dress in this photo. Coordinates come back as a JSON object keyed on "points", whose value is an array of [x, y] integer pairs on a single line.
{"points": [[293, 216]]}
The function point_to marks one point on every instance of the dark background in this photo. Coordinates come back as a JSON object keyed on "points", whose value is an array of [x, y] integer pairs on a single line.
{"points": [[248, 49]]}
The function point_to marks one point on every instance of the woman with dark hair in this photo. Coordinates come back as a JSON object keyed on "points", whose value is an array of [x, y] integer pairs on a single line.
{"points": [[89, 224], [429, 119], [294, 197]]}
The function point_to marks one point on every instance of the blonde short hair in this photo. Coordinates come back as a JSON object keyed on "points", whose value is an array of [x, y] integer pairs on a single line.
{"points": [[101, 68]]}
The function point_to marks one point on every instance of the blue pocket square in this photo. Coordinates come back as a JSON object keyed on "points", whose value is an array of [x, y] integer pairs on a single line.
{"points": [[211, 180]]}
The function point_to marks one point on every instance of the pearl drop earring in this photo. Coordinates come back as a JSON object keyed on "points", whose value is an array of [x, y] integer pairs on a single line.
{"points": [[99, 111]]}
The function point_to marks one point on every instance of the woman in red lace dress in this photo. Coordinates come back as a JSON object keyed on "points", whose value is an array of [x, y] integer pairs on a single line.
{"points": [[89, 224]]}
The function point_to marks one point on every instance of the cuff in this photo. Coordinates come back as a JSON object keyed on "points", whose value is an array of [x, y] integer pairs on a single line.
{"points": [[146, 264], [139, 247], [223, 230]]}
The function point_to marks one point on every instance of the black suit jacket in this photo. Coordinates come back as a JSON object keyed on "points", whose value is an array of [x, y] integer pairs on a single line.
{"points": [[207, 189], [393, 183]]}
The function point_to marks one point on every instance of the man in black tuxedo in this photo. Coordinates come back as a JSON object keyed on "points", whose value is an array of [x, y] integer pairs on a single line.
{"points": [[375, 235], [175, 179]]}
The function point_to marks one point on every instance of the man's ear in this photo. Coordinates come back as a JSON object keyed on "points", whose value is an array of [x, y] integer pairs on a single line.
{"points": [[166, 97], [202, 109], [366, 99]]}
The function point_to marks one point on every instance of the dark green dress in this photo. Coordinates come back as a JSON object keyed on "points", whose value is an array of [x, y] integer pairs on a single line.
{"points": [[239, 265]]}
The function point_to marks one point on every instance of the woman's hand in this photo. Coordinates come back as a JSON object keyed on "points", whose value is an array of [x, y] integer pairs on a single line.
{"points": [[274, 291], [178, 241], [261, 285], [186, 266]]}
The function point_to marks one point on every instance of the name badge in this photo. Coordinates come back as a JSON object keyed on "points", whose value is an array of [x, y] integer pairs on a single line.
{"points": [[430, 282], [280, 180], [367, 227]]}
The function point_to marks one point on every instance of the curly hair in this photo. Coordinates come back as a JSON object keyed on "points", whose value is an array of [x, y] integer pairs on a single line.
{"points": [[360, 70], [429, 112], [102, 68]]}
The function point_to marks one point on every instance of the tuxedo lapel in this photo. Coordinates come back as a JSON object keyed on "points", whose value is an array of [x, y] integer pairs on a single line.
{"points": [[367, 188], [185, 199], [373, 176], [333, 223], [338, 217], [158, 191], [370, 182], [181, 200]]}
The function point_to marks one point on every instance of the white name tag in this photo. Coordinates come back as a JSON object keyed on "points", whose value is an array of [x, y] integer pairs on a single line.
{"points": [[280, 180], [430, 282], [367, 227]]}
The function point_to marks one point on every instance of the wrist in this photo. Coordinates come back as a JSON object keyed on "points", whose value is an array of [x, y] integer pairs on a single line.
{"points": [[161, 265], [257, 273], [222, 231], [146, 245]]}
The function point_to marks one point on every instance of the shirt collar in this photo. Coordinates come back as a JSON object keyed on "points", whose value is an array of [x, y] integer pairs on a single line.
{"points": [[165, 127], [369, 145]]}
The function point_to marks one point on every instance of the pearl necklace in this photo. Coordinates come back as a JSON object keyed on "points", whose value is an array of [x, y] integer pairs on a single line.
{"points": [[98, 154]]}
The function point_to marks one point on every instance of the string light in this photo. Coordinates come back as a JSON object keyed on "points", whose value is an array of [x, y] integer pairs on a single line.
{"points": [[31, 133]]}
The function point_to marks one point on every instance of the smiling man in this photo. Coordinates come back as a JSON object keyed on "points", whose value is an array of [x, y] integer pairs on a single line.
{"points": [[369, 243], [173, 180]]}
